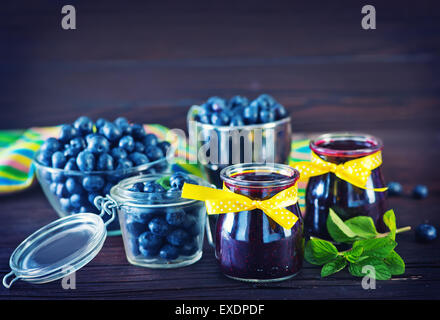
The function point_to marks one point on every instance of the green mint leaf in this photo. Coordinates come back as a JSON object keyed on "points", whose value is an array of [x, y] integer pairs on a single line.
{"points": [[164, 182], [320, 251], [354, 254], [378, 247], [338, 230], [333, 266], [373, 267], [395, 263], [362, 226], [389, 218]]}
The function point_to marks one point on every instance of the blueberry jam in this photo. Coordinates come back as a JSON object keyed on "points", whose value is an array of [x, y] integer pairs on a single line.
{"points": [[250, 246], [328, 191]]}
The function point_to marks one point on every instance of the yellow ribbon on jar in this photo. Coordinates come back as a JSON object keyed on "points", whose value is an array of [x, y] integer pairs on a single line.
{"points": [[225, 201], [354, 171]]}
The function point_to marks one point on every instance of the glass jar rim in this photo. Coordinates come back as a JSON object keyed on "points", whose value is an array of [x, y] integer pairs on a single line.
{"points": [[290, 175], [374, 142]]}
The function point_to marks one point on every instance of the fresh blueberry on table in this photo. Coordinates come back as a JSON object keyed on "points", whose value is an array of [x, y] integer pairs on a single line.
{"points": [[85, 161], [159, 226], [178, 237], [169, 252], [425, 233], [419, 192], [394, 188]]}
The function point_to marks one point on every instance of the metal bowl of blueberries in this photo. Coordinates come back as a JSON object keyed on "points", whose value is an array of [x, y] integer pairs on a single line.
{"points": [[89, 158], [239, 131], [159, 228]]}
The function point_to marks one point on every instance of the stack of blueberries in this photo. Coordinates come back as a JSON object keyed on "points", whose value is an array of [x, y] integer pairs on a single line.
{"points": [[239, 111], [169, 232], [87, 147]]}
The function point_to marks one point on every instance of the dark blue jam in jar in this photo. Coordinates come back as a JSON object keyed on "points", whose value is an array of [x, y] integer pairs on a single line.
{"points": [[328, 191], [250, 246]]}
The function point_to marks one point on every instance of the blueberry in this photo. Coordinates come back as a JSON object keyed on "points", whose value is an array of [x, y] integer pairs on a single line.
{"points": [[100, 123], [190, 247], [394, 189], [419, 192], [148, 253], [58, 177], [191, 225], [173, 193], [150, 240], [98, 144], [50, 146], [45, 158], [138, 158], [122, 123], [134, 227], [137, 187], [425, 233], [279, 110], [78, 143], [250, 113], [237, 120], [85, 161], [105, 162], [67, 133], [71, 165], [58, 160], [216, 104], [138, 131], [164, 146], [238, 101], [84, 125], [177, 180], [150, 140], [154, 153], [61, 191], [106, 189], [91, 197], [178, 237], [219, 119], [73, 186], [110, 131], [159, 227], [70, 152], [53, 187], [65, 204], [127, 143], [169, 252], [139, 147], [267, 115], [204, 118], [175, 217], [77, 201], [93, 183], [153, 187], [124, 164], [266, 100], [119, 153]]}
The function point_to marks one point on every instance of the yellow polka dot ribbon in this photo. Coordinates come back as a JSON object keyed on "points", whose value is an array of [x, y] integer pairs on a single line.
{"points": [[225, 201], [354, 171]]}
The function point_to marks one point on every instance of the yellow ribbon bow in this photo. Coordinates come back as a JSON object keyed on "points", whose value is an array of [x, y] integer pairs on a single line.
{"points": [[225, 201], [354, 171]]}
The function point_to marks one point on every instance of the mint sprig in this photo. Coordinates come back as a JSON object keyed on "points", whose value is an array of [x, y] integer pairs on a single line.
{"points": [[369, 247]]}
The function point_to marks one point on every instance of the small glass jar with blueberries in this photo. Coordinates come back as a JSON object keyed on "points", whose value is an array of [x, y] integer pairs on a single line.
{"points": [[239, 131], [88, 158], [159, 228]]}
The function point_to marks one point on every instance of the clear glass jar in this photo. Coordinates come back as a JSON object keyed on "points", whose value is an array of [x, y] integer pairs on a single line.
{"points": [[328, 191], [250, 246], [173, 216]]}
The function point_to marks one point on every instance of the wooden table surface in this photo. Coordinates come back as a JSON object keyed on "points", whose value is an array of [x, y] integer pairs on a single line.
{"points": [[150, 62]]}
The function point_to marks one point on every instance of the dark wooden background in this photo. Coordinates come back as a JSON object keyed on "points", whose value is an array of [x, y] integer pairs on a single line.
{"points": [[149, 61]]}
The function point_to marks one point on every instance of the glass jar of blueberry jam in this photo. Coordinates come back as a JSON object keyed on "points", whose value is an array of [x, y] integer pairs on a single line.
{"points": [[328, 191], [159, 228], [250, 246]]}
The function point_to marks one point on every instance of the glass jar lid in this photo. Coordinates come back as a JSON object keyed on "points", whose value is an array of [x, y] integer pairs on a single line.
{"points": [[57, 249]]}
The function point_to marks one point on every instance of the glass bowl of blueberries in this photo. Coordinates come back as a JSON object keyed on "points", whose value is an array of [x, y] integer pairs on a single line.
{"points": [[239, 131], [159, 228], [88, 158]]}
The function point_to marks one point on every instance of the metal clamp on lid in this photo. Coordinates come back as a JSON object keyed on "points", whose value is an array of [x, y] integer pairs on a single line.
{"points": [[107, 205]]}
